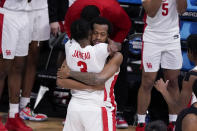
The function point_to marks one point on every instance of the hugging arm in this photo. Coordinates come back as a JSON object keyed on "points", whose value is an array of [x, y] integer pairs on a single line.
{"points": [[99, 78]]}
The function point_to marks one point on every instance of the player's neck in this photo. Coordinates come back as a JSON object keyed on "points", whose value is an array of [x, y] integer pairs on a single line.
{"points": [[84, 43]]}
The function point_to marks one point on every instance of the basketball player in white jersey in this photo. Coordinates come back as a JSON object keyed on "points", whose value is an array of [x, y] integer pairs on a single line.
{"points": [[161, 46], [14, 45], [102, 100], [39, 31]]}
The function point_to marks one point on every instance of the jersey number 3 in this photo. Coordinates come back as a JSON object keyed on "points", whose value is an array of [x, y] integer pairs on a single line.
{"points": [[164, 9], [83, 66]]}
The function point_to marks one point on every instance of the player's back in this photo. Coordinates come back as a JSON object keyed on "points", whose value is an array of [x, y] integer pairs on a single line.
{"points": [[88, 59]]}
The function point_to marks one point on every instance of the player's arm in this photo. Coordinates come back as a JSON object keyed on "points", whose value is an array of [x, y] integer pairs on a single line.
{"points": [[181, 6], [113, 46], [186, 91], [99, 78], [151, 6], [161, 86], [64, 82], [73, 84]]}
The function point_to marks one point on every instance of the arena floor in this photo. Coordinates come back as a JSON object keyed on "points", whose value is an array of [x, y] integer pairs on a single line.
{"points": [[52, 124]]}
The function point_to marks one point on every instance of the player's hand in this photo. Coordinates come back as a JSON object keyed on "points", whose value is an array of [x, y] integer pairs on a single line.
{"points": [[55, 28], [113, 46], [161, 86], [64, 71]]}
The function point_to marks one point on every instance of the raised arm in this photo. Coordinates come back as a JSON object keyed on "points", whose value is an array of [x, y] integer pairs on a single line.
{"points": [[99, 78], [161, 86], [181, 6], [151, 6]]}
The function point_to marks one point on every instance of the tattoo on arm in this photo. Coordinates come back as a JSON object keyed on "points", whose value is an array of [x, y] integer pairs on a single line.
{"points": [[87, 78]]}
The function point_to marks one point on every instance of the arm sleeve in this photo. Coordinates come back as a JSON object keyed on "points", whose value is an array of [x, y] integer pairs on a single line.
{"points": [[53, 7], [57, 10]]}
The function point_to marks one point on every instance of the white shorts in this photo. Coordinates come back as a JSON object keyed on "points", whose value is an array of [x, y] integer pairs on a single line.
{"points": [[168, 55], [88, 117], [14, 39], [39, 25]]}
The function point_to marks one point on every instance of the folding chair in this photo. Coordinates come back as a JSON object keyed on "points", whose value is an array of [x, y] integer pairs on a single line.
{"points": [[48, 74]]}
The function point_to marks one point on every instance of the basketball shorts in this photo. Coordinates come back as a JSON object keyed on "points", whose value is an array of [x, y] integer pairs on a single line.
{"points": [[168, 56], [39, 25], [82, 116], [14, 36]]}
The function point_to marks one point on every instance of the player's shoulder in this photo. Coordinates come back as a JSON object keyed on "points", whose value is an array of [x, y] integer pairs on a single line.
{"points": [[100, 45], [117, 57], [192, 74], [71, 43], [118, 54]]}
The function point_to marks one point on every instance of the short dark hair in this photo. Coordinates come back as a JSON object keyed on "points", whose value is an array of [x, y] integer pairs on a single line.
{"points": [[102, 21], [89, 12], [157, 125], [80, 29], [192, 44]]}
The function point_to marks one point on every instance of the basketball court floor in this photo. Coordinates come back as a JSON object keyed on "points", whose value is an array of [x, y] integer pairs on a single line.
{"points": [[52, 124]]}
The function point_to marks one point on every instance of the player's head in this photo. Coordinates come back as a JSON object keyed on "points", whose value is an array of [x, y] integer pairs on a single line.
{"points": [[101, 29], [90, 12], [192, 47], [80, 30], [157, 125]]}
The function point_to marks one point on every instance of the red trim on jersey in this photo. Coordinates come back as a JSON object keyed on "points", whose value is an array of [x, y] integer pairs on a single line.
{"points": [[61, 26], [114, 120], [190, 102], [111, 94], [1, 31], [145, 25], [105, 94], [2, 3], [105, 120]]}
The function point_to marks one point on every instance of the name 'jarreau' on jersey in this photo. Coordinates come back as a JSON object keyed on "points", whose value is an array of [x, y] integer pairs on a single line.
{"points": [[88, 59], [81, 55]]}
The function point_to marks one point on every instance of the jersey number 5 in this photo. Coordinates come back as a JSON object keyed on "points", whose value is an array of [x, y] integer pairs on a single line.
{"points": [[164, 9], [83, 65]]}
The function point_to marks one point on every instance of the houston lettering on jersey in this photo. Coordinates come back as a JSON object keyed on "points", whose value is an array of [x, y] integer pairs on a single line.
{"points": [[81, 55]]}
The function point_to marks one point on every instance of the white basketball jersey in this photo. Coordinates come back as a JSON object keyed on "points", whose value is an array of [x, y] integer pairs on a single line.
{"points": [[164, 27], [16, 5], [109, 98], [38, 4], [88, 59]]}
